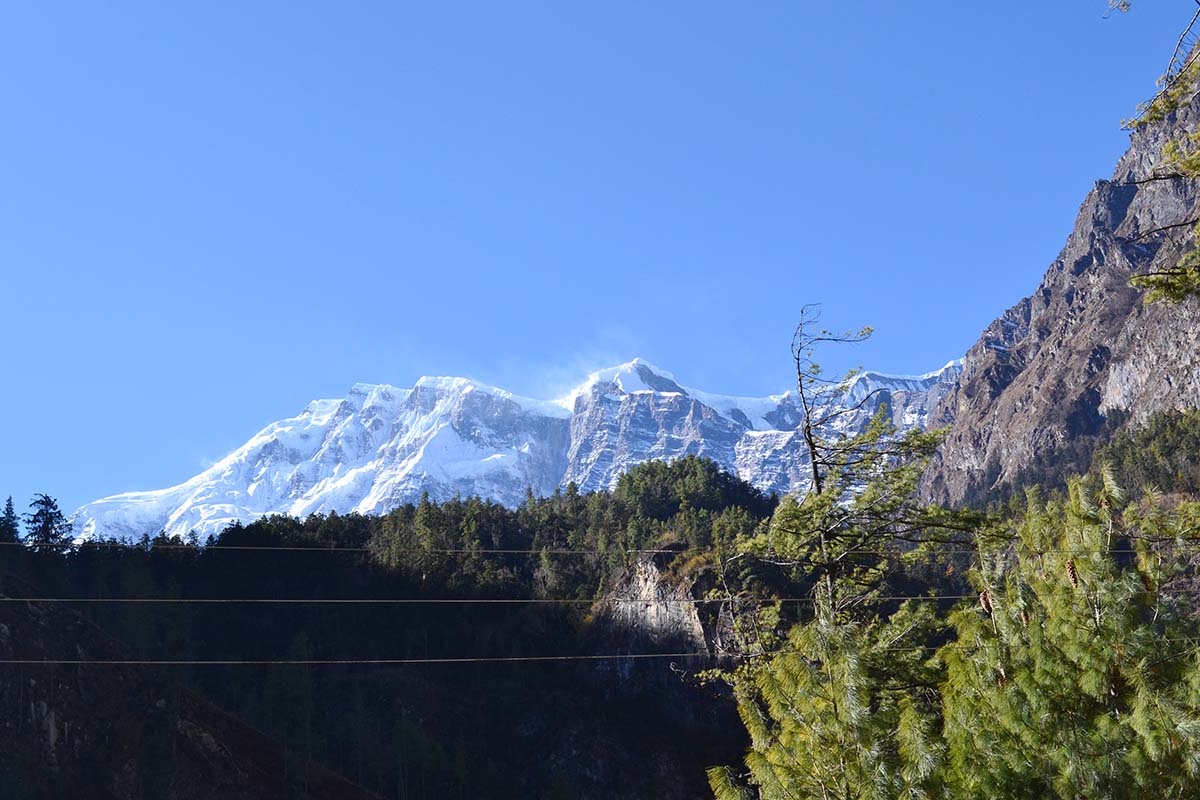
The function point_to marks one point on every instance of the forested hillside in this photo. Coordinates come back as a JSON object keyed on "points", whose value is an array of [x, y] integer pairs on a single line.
{"points": [[511, 593], [585, 645]]}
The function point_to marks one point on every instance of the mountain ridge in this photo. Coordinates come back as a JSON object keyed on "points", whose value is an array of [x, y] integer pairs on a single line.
{"points": [[381, 446]]}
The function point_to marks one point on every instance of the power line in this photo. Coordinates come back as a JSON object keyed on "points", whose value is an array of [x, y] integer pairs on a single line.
{"points": [[947, 547], [315, 662], [198, 548], [432, 601], [463, 600]]}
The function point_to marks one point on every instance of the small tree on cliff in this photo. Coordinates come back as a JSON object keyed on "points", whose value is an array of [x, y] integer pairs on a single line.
{"points": [[1180, 162]]}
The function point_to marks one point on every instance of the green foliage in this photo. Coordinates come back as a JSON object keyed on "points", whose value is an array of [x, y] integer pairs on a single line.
{"points": [[1182, 156], [1181, 159], [1075, 674], [659, 490], [841, 710], [1081, 679], [842, 704], [1174, 90], [1163, 455]]}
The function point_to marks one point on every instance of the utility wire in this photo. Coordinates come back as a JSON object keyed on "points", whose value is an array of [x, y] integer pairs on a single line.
{"points": [[225, 662], [461, 600], [422, 601], [948, 547], [316, 662], [198, 548]]}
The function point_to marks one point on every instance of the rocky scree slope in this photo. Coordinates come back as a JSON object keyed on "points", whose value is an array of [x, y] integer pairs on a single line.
{"points": [[1049, 377], [381, 446]]}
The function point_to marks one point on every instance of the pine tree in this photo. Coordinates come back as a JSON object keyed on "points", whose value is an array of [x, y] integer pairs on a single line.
{"points": [[46, 527], [1076, 674], [844, 705], [10, 530]]}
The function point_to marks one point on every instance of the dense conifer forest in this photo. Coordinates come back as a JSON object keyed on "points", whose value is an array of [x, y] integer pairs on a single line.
{"points": [[492, 729]]}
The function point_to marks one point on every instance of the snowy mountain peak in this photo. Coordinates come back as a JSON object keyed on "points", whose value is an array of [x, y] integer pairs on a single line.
{"points": [[381, 446], [637, 375], [631, 377]]}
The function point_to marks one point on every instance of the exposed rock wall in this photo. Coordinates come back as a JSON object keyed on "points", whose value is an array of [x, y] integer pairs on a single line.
{"points": [[1046, 375], [644, 609]]}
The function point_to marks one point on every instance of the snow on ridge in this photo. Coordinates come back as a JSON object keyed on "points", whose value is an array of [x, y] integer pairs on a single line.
{"points": [[937, 374], [381, 446], [453, 385], [628, 377]]}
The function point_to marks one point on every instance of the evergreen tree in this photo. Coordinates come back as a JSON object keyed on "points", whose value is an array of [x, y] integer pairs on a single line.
{"points": [[46, 527], [10, 530], [1076, 674], [844, 705]]}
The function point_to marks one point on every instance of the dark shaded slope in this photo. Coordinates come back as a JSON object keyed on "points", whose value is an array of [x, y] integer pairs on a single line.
{"points": [[123, 732]]}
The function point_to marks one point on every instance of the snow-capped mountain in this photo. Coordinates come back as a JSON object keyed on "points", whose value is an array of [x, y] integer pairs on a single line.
{"points": [[381, 446]]}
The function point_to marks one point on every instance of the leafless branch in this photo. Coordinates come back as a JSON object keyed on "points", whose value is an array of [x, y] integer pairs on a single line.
{"points": [[1174, 176], [1152, 231]]}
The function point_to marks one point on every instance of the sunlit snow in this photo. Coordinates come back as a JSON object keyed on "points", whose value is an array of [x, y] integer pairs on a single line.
{"points": [[381, 446]]}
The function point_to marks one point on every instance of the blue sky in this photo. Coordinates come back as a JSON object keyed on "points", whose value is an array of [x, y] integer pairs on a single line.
{"points": [[212, 215]]}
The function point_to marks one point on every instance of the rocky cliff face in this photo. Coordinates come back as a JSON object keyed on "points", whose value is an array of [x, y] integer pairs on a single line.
{"points": [[382, 446], [1083, 350], [644, 612]]}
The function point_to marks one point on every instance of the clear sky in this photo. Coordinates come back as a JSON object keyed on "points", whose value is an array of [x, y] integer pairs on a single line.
{"points": [[211, 215]]}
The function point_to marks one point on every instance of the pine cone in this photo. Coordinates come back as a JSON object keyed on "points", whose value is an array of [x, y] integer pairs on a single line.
{"points": [[985, 602], [1072, 573]]}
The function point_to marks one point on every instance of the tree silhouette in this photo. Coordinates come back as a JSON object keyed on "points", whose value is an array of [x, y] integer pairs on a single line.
{"points": [[10, 530], [46, 528]]}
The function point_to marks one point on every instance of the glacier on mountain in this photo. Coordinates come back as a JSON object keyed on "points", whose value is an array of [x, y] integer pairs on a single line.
{"points": [[382, 446]]}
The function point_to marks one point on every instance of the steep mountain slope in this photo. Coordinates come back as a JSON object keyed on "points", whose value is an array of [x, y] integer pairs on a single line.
{"points": [[1062, 366], [382, 446]]}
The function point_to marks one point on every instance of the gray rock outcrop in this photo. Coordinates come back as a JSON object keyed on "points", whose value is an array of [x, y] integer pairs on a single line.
{"points": [[1046, 378]]}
